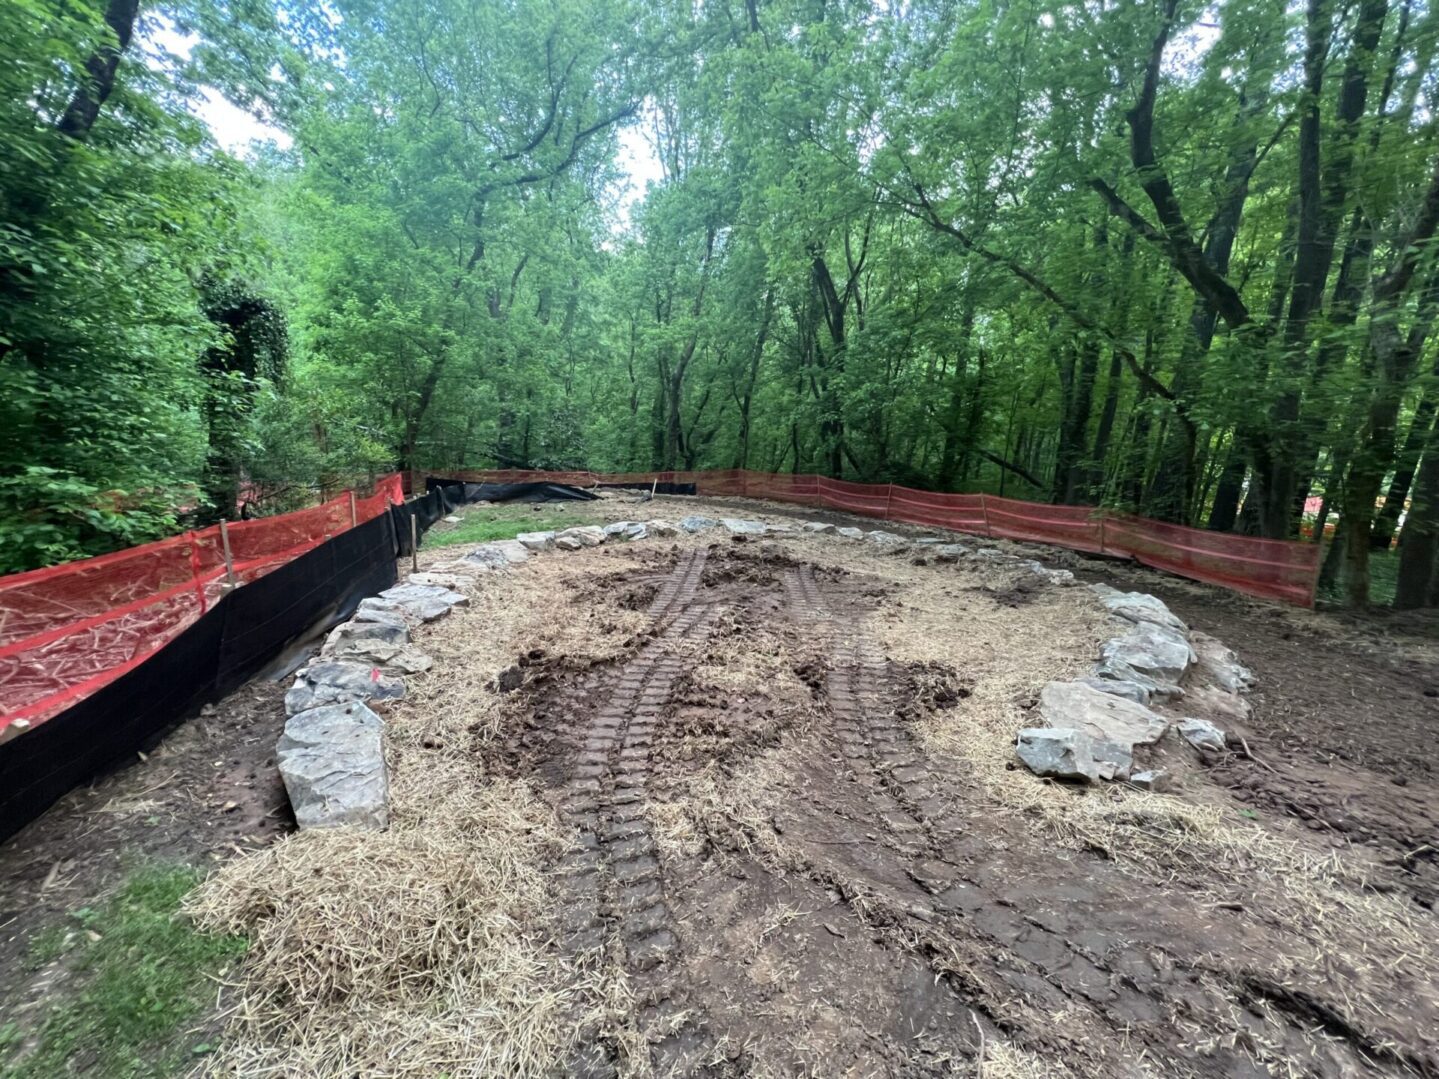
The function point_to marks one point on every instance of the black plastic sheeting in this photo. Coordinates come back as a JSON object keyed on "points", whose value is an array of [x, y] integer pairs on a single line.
{"points": [[509, 492], [231, 643], [437, 503]]}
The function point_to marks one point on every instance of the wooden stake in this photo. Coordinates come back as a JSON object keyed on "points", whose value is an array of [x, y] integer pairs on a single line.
{"points": [[354, 513], [229, 558], [414, 545]]}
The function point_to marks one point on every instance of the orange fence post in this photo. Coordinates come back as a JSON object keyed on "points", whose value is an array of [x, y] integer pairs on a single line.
{"points": [[984, 508]]}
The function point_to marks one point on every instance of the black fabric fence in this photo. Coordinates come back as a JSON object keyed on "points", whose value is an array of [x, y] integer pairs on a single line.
{"points": [[232, 642]]}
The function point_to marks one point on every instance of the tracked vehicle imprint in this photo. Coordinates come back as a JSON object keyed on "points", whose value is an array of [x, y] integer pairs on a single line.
{"points": [[614, 890]]}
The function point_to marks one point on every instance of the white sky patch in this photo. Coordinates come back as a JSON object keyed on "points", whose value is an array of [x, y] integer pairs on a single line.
{"points": [[637, 160], [235, 130]]}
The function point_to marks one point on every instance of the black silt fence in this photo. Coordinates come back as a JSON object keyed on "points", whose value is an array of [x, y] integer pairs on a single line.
{"points": [[231, 643]]}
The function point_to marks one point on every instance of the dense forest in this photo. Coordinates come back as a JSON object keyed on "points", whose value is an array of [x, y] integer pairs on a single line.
{"points": [[1171, 257]]}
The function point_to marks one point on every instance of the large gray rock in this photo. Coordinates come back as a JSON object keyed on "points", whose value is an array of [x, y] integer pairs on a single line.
{"points": [[567, 543], [332, 760], [1119, 687], [422, 602], [1153, 779], [501, 554], [391, 614], [1142, 607], [487, 558], [662, 529], [536, 541], [1059, 752], [1053, 576], [626, 530], [850, 533], [817, 527], [887, 542], [694, 523], [585, 535], [391, 658], [738, 527], [1155, 656], [1115, 725], [1201, 734], [385, 632], [1218, 664], [339, 682]]}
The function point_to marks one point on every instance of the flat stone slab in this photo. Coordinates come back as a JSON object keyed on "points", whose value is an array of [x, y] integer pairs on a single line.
{"points": [[1058, 752], [626, 530], [423, 602], [536, 541], [327, 681], [817, 527], [850, 533], [1114, 725], [332, 760], [737, 526], [385, 632], [662, 529], [1141, 607], [694, 523], [501, 554]]}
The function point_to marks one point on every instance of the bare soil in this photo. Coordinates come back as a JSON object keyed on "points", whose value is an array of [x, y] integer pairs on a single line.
{"points": [[792, 839], [872, 913]]}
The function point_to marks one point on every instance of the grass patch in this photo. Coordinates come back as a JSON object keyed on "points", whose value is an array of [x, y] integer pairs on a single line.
{"points": [[141, 973], [477, 529]]}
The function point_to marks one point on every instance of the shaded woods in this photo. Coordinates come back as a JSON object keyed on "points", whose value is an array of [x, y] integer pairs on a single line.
{"points": [[1173, 258]]}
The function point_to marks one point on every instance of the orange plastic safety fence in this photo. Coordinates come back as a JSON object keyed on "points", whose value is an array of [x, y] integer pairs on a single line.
{"points": [[67, 630], [1270, 569]]}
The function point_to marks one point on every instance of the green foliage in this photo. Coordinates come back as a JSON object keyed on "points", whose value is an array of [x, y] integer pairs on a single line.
{"points": [[49, 516], [141, 975], [915, 243]]}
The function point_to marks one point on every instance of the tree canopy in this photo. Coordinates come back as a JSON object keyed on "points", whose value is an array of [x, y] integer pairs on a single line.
{"points": [[1170, 257]]}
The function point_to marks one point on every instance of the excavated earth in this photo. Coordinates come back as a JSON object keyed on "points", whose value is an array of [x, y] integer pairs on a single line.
{"points": [[794, 839], [794, 882]]}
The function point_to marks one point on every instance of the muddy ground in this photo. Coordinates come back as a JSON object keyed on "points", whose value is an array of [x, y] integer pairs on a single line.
{"points": [[789, 840]]}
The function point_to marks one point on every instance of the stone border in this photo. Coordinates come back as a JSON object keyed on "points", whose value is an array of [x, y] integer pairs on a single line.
{"points": [[331, 754]]}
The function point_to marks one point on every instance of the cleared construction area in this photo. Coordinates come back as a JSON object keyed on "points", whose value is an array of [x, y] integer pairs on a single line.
{"points": [[749, 805]]}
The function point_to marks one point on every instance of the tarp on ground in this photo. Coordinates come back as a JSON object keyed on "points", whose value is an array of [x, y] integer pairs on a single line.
{"points": [[509, 492]]}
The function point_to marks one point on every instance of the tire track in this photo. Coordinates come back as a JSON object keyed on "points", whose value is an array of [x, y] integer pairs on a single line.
{"points": [[862, 696], [613, 884]]}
